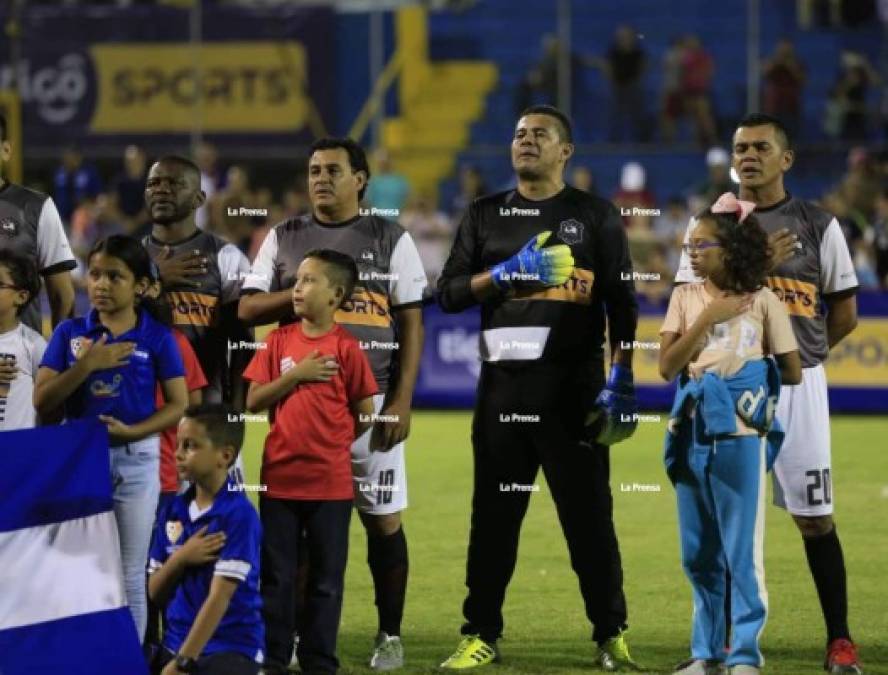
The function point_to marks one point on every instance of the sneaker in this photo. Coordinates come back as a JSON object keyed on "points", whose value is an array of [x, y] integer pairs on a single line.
{"points": [[388, 652], [614, 656], [701, 667], [472, 652], [744, 669], [294, 659], [841, 657]]}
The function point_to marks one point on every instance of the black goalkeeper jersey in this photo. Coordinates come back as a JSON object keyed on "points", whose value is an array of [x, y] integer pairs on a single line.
{"points": [[562, 324]]}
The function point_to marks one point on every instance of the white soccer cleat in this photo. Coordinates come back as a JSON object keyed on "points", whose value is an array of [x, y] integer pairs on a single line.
{"points": [[388, 653]]}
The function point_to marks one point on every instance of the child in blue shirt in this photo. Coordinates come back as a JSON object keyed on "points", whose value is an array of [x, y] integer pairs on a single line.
{"points": [[204, 562], [106, 365]]}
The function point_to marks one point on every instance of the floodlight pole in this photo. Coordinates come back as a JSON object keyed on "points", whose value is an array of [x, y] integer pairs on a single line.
{"points": [[564, 60]]}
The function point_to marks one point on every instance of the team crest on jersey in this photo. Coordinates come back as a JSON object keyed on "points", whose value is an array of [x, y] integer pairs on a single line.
{"points": [[173, 530], [8, 227], [368, 256], [570, 231], [79, 345], [103, 389]]}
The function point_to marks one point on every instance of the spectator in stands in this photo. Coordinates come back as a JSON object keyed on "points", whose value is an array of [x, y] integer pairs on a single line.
{"points": [[540, 83], [877, 237], [671, 108], [582, 179], [388, 189], [697, 69], [669, 229], [861, 185], [784, 80], [624, 65], [717, 181], [212, 179], [295, 202], [432, 231], [74, 181], [227, 220], [847, 111], [633, 197], [471, 186], [93, 219], [127, 197]]}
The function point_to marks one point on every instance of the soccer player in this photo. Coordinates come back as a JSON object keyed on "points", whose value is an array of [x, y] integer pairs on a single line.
{"points": [[813, 274], [204, 560], [30, 226], [201, 275], [548, 263], [319, 386], [385, 315]]}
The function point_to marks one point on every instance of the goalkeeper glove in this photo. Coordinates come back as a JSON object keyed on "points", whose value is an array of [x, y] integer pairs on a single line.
{"points": [[614, 417], [546, 266]]}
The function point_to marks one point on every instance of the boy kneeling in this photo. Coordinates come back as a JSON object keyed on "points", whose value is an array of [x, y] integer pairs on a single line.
{"points": [[204, 559]]}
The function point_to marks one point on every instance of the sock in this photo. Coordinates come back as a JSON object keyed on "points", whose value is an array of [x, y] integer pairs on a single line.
{"points": [[387, 557], [827, 566]]}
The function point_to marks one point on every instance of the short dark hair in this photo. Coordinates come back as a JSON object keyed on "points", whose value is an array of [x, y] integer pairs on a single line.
{"points": [[3, 127], [184, 162], [223, 425], [357, 158], [565, 128], [341, 269], [24, 274], [761, 119]]}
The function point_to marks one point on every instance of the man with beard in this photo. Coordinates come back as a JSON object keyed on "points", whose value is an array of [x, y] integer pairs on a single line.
{"points": [[201, 276]]}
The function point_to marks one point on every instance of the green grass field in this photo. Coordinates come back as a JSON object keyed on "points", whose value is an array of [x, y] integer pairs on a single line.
{"points": [[546, 631]]}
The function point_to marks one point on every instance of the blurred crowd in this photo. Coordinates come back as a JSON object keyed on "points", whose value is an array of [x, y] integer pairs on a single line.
{"points": [[94, 206], [686, 79]]}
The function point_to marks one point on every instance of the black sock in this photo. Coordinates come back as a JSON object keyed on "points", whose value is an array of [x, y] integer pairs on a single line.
{"points": [[827, 566], [387, 557]]}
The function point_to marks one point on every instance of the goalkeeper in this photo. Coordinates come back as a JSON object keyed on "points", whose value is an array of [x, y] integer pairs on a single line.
{"points": [[548, 263]]}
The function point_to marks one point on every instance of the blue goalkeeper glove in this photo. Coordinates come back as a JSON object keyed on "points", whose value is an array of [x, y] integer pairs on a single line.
{"points": [[614, 417], [544, 266]]}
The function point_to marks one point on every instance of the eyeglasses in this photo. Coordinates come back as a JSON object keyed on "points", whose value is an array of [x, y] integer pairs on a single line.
{"points": [[699, 246], [11, 286]]}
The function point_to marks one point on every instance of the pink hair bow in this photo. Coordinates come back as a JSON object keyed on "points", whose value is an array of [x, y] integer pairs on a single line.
{"points": [[728, 203]]}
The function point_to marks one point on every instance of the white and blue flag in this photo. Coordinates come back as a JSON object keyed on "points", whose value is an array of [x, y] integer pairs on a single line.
{"points": [[62, 600]]}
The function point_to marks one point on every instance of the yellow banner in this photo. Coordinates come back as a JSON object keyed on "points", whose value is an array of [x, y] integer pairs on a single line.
{"points": [[860, 360], [223, 87]]}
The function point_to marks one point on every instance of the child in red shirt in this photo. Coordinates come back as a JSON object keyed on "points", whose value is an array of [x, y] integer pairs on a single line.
{"points": [[319, 386]]}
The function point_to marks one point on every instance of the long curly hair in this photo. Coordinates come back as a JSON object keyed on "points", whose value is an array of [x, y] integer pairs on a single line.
{"points": [[745, 247]]}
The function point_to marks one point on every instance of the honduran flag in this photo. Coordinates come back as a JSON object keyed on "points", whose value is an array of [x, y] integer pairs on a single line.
{"points": [[62, 600]]}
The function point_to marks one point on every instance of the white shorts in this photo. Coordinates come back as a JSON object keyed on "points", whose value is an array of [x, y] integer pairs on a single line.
{"points": [[802, 472], [380, 478]]}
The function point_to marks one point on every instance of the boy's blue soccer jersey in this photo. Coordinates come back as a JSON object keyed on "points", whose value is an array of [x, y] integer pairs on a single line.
{"points": [[127, 392], [241, 628]]}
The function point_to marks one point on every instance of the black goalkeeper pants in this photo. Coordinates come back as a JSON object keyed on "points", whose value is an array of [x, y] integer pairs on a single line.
{"points": [[525, 419]]}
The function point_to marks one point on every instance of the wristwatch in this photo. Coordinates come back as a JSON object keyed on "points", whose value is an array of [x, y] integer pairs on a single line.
{"points": [[185, 664]]}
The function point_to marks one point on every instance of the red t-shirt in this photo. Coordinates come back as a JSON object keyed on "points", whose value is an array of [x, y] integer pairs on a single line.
{"points": [[194, 380], [308, 450]]}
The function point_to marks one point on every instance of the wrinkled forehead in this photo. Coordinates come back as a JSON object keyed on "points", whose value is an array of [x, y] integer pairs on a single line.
{"points": [[534, 122], [762, 132], [174, 171], [329, 157]]}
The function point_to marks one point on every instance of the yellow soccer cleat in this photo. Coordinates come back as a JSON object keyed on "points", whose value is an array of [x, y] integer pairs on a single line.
{"points": [[472, 652], [613, 655]]}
